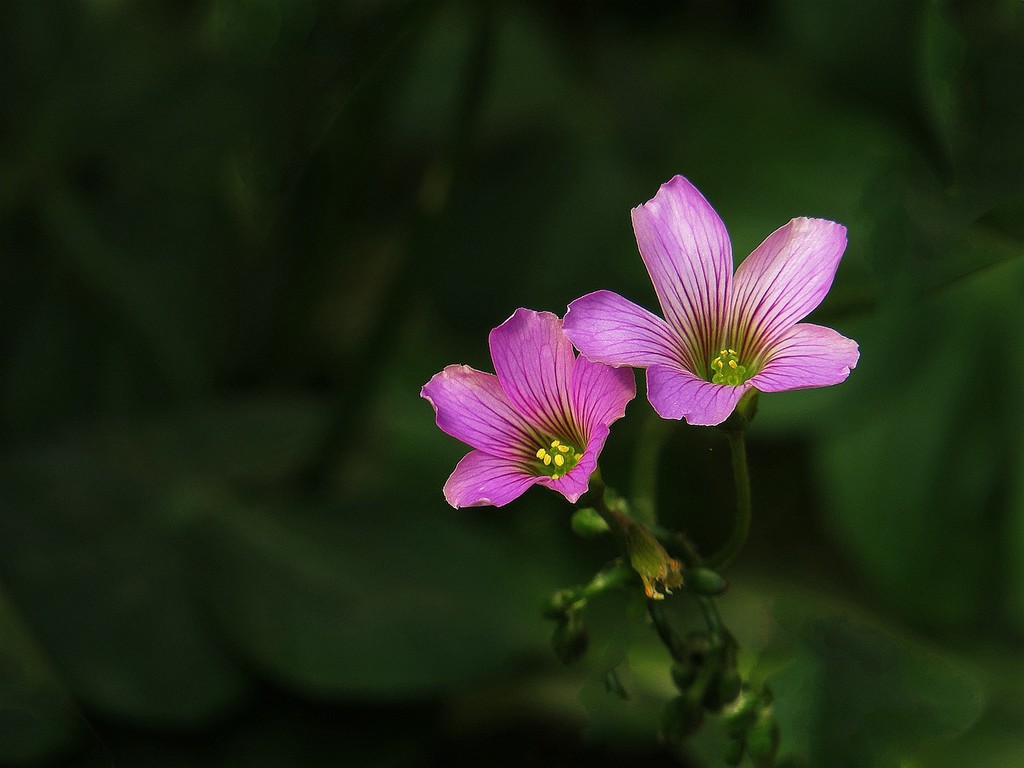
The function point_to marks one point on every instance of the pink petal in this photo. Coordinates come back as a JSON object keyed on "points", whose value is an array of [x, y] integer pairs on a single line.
{"points": [[534, 360], [783, 280], [577, 481], [481, 479], [610, 329], [807, 356], [678, 394], [471, 406], [686, 249], [599, 394]]}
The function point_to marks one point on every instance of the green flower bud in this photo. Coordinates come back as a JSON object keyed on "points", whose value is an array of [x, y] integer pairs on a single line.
{"points": [[723, 690], [587, 523], [742, 714], [562, 602], [570, 639], [649, 559], [680, 720], [613, 685], [734, 751], [704, 581], [763, 739], [684, 673], [692, 657]]}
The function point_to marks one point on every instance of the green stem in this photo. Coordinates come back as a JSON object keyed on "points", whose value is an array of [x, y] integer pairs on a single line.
{"points": [[573, 599], [596, 496], [606, 579], [713, 619], [675, 645], [741, 527], [645, 469]]}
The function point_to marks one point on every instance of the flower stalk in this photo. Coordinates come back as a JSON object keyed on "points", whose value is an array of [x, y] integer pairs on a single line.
{"points": [[741, 524]]}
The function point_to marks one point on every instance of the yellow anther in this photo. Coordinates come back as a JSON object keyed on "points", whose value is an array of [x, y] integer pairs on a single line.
{"points": [[558, 460], [726, 368]]}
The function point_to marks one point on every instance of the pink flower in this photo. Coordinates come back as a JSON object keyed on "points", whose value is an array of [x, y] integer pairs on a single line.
{"points": [[723, 334], [543, 419]]}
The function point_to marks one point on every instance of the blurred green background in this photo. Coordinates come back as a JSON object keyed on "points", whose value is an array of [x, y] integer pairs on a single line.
{"points": [[238, 236]]}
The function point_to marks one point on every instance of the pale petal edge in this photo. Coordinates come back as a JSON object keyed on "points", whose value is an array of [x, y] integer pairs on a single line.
{"points": [[807, 356], [471, 406], [481, 480]]}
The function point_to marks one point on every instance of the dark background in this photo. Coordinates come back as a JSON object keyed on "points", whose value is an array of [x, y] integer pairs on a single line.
{"points": [[236, 239]]}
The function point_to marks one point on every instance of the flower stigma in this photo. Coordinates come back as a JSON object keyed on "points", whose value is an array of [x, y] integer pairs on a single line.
{"points": [[557, 459], [727, 368]]}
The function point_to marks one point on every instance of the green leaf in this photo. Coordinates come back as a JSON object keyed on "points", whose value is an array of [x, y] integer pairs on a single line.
{"points": [[97, 567], [853, 696], [917, 451], [37, 720], [367, 599]]}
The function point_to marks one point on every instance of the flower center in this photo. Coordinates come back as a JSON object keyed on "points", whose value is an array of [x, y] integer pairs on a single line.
{"points": [[727, 369], [557, 459]]}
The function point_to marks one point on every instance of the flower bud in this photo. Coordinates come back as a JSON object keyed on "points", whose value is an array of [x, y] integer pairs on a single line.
{"points": [[723, 690], [562, 602], [587, 523], [613, 685], [763, 739], [684, 673], [734, 751], [681, 719], [649, 559], [570, 639], [704, 581], [742, 714]]}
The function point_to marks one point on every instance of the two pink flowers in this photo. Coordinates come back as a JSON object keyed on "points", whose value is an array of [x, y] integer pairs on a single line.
{"points": [[543, 417]]}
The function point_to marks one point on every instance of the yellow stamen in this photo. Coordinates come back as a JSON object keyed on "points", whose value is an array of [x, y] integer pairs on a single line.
{"points": [[727, 369], [557, 460]]}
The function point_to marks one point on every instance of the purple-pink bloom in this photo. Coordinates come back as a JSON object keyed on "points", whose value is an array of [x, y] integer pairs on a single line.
{"points": [[722, 334], [543, 419]]}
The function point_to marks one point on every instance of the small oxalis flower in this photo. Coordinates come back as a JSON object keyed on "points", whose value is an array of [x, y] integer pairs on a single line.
{"points": [[543, 419], [722, 334]]}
